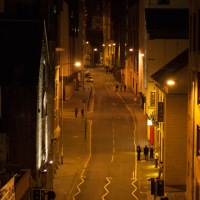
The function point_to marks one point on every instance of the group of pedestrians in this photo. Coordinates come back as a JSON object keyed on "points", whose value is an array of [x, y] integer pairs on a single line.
{"points": [[148, 150], [153, 155], [121, 86]]}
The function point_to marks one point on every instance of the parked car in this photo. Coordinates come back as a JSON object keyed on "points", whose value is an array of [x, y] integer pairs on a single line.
{"points": [[89, 79], [87, 73]]}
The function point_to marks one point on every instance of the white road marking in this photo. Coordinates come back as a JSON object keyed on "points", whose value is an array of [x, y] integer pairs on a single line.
{"points": [[105, 187]]}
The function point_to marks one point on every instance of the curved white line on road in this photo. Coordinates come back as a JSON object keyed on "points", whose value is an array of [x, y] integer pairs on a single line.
{"points": [[84, 166], [105, 187], [134, 134], [113, 150], [112, 158], [135, 188], [78, 186]]}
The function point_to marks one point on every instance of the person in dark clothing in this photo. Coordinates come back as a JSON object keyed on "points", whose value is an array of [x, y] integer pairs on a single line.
{"points": [[76, 112], [138, 152], [51, 194], [82, 112], [156, 157], [116, 87], [151, 152], [146, 152], [124, 88]]}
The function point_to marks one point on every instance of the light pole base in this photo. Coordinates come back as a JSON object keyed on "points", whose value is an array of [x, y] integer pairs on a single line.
{"points": [[61, 160]]}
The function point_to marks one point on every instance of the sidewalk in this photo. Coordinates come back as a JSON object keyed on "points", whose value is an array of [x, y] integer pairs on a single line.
{"points": [[75, 146]]}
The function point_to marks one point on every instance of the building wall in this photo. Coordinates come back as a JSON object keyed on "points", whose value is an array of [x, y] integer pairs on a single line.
{"points": [[157, 52], [193, 160], [132, 51], [64, 41], [175, 135], [160, 52], [19, 111]]}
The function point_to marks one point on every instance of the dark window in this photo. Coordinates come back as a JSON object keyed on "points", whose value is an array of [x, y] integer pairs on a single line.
{"points": [[163, 1], [198, 140], [198, 30], [198, 89], [1, 6], [190, 33], [0, 102], [194, 31]]}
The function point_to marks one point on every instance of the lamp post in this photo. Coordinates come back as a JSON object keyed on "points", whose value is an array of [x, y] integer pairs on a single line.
{"points": [[94, 50], [62, 120], [83, 83]]}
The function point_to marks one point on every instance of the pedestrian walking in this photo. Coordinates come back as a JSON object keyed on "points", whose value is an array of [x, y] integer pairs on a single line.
{"points": [[151, 152], [82, 112], [124, 88], [156, 157], [76, 112], [116, 87], [51, 194], [146, 152], [138, 152]]}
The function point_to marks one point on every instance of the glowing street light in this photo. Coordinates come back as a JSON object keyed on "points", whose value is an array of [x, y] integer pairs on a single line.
{"points": [[170, 82], [140, 54]]}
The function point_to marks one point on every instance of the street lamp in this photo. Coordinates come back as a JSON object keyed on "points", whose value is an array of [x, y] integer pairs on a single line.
{"points": [[133, 50], [170, 82]]}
